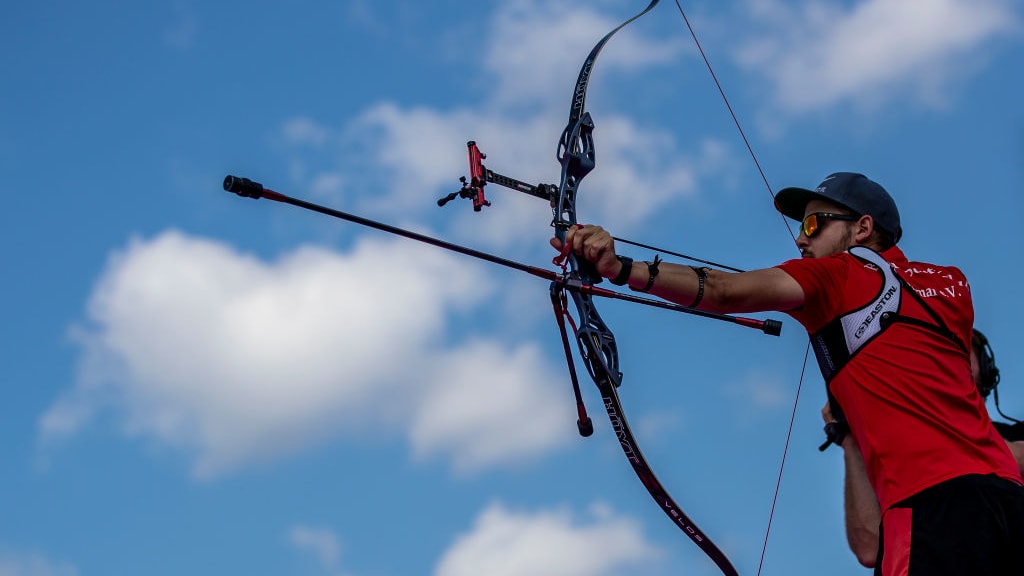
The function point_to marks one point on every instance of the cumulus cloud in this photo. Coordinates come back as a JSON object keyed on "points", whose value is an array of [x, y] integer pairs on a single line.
{"points": [[820, 54], [235, 360], [491, 408], [505, 542]]}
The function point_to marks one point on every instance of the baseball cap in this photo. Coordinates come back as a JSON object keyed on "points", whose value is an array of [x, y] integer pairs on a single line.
{"points": [[850, 190]]}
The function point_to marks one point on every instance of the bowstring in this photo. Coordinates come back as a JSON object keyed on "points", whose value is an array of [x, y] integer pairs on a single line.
{"points": [[768, 186]]}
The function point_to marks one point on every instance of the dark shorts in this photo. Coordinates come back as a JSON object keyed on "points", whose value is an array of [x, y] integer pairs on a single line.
{"points": [[967, 526]]}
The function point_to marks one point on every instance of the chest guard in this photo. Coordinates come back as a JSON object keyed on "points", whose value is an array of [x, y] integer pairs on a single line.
{"points": [[836, 343]]}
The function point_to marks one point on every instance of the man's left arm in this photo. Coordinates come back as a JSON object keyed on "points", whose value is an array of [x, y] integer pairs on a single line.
{"points": [[768, 289]]}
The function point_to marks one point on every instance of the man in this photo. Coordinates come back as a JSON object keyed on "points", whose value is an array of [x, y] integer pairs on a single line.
{"points": [[892, 339]]}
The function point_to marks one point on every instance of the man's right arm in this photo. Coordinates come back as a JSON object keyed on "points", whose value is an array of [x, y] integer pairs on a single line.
{"points": [[861, 510]]}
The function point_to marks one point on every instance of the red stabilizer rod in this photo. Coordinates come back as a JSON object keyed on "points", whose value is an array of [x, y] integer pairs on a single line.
{"points": [[249, 189]]}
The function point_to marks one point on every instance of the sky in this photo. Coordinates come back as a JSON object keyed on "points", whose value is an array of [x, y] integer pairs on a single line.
{"points": [[198, 383]]}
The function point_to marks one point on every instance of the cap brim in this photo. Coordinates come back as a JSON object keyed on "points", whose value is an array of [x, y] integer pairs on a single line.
{"points": [[792, 201]]}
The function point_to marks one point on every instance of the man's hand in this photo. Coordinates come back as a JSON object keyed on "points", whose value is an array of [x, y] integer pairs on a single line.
{"points": [[836, 432], [593, 244], [826, 413]]}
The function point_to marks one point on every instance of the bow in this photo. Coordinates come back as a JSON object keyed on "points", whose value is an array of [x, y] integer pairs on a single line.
{"points": [[576, 280], [595, 340]]}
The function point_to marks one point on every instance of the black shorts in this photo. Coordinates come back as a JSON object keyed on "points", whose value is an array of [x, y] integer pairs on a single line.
{"points": [[967, 526]]}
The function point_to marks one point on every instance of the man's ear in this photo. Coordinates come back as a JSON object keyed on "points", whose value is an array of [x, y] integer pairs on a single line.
{"points": [[864, 227]]}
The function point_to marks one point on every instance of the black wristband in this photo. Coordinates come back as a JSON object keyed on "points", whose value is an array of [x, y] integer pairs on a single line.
{"points": [[702, 274], [627, 268], [652, 272]]}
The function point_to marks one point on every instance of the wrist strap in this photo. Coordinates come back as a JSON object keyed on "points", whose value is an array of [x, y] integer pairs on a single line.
{"points": [[624, 272], [702, 274], [652, 273]]}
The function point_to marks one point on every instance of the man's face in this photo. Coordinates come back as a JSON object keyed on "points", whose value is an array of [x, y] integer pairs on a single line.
{"points": [[831, 236]]}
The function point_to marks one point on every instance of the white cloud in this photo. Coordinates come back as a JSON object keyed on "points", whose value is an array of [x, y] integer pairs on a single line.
{"points": [[821, 54], [505, 542], [760, 391], [414, 155], [321, 543], [235, 360], [18, 564], [499, 405], [537, 49], [305, 131]]}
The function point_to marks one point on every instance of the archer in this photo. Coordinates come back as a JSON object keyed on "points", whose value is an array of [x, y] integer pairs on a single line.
{"points": [[892, 338]]}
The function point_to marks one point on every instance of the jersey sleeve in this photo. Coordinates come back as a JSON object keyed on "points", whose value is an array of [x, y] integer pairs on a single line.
{"points": [[823, 281]]}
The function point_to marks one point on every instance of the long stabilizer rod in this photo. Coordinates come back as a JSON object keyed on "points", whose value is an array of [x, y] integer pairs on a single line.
{"points": [[249, 189]]}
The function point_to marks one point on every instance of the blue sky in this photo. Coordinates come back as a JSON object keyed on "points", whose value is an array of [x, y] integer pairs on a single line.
{"points": [[197, 383]]}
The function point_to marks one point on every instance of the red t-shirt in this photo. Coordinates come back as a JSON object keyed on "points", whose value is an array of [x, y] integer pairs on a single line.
{"points": [[907, 395]]}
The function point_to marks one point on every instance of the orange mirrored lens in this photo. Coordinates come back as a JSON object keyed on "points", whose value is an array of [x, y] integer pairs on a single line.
{"points": [[810, 225]]}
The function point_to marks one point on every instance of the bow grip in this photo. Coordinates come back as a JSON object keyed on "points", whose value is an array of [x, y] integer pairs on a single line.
{"points": [[588, 272]]}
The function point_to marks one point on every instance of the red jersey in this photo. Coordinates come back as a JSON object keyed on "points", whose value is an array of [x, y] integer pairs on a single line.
{"points": [[907, 395]]}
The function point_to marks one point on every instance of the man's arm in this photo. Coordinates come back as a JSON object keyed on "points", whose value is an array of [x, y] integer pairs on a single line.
{"points": [[726, 292], [863, 514], [762, 290]]}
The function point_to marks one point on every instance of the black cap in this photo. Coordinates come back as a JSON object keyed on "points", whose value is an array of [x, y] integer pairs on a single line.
{"points": [[852, 191]]}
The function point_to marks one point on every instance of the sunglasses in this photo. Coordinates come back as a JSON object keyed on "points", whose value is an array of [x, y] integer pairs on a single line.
{"points": [[812, 223]]}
